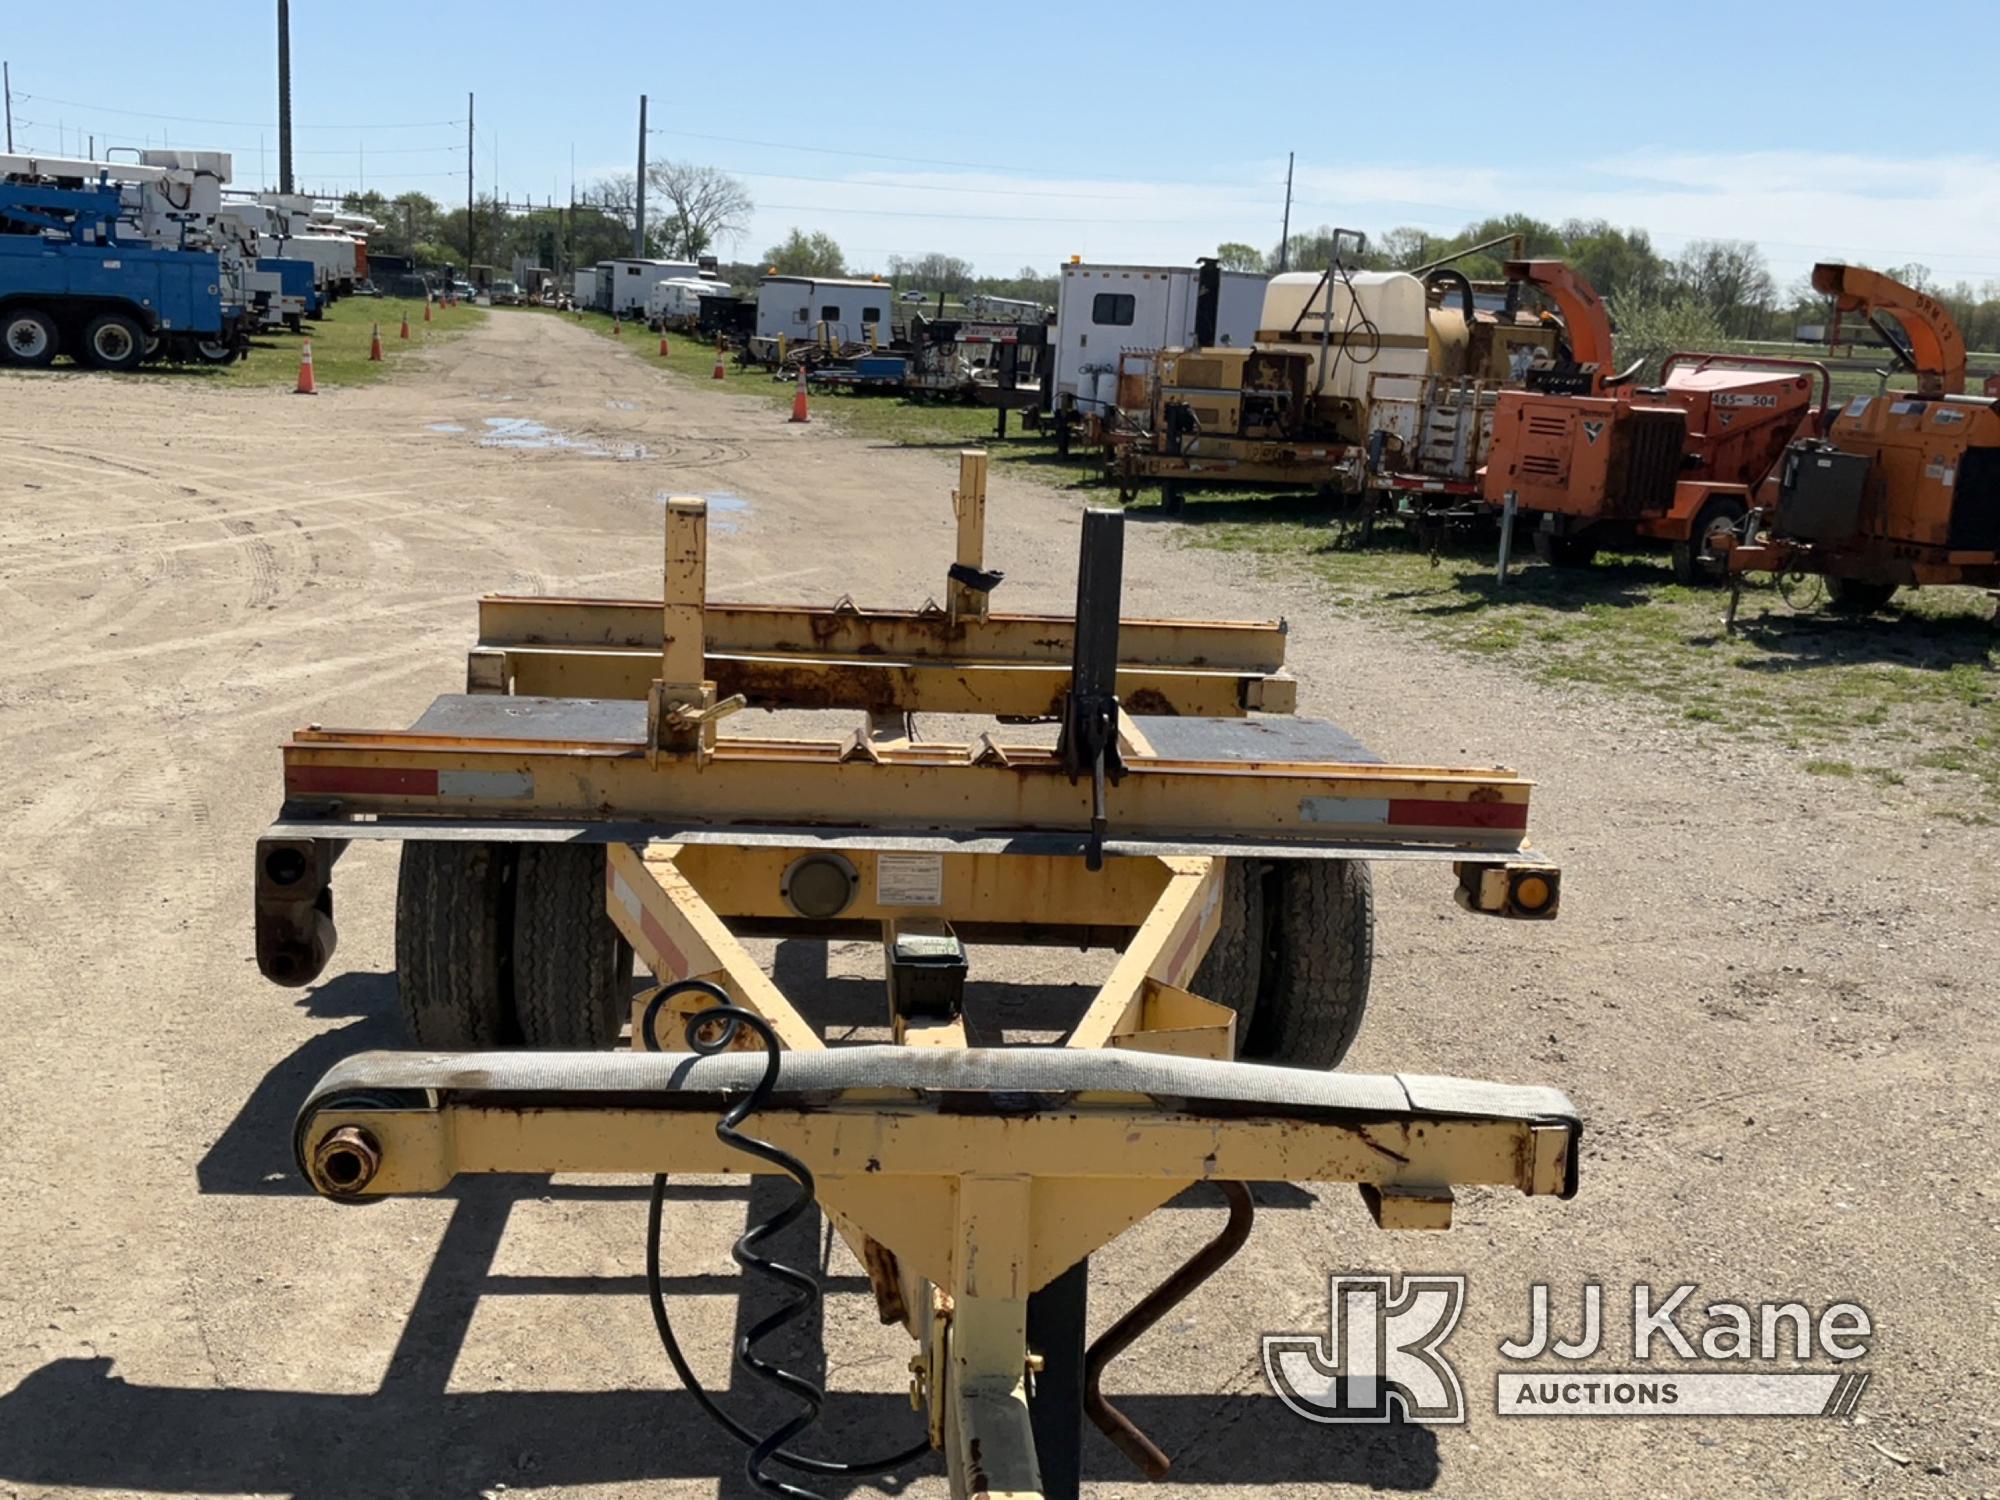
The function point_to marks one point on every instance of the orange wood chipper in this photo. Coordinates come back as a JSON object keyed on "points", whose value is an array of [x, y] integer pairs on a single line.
{"points": [[1903, 489], [1598, 459]]}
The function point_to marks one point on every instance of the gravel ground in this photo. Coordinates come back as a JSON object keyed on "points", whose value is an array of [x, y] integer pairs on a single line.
{"points": [[1770, 996]]}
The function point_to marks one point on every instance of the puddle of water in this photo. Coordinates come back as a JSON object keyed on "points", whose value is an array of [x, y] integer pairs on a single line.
{"points": [[524, 432], [443, 427], [720, 503]]}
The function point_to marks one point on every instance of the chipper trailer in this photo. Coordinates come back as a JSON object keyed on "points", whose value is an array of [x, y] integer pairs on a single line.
{"points": [[1903, 489], [1592, 458], [580, 805]]}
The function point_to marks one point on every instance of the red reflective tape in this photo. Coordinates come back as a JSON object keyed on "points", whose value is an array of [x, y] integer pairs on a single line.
{"points": [[1428, 814], [663, 945], [414, 781]]}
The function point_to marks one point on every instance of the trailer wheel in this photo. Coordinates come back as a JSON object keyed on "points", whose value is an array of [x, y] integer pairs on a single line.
{"points": [[1696, 562], [28, 337], [454, 906], [1232, 970], [572, 967], [113, 341], [1851, 596], [1565, 551], [215, 351], [1322, 953]]}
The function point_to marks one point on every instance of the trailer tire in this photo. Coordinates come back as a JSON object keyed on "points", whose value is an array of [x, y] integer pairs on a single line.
{"points": [[1694, 564], [1565, 551], [28, 337], [1232, 971], [113, 341], [1322, 956], [1852, 596], [572, 966], [454, 909]]}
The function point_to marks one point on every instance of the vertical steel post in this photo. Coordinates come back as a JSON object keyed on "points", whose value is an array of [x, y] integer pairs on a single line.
{"points": [[639, 213], [1285, 234], [284, 96], [1506, 533], [470, 256]]}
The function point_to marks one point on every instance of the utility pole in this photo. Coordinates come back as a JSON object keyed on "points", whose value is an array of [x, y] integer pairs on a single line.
{"points": [[468, 184], [639, 218], [1285, 234], [7, 82], [284, 96]]}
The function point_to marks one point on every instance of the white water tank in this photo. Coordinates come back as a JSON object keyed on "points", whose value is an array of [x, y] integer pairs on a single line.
{"points": [[1393, 301]]}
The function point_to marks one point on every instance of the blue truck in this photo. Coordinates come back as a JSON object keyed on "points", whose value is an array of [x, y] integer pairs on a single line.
{"points": [[296, 281], [71, 283]]}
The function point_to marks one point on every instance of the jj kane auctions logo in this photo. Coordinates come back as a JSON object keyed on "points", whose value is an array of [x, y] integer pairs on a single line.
{"points": [[1383, 1352]]}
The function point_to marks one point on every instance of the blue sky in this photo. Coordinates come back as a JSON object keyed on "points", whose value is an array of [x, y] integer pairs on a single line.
{"points": [[1023, 134]]}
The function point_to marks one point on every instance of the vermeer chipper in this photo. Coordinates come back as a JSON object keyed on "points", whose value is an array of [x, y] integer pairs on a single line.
{"points": [[581, 804]]}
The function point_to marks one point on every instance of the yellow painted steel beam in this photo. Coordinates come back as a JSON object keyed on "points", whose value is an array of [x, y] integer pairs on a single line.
{"points": [[890, 1133], [676, 935], [898, 635], [998, 689], [1168, 947], [1002, 889], [1398, 810]]}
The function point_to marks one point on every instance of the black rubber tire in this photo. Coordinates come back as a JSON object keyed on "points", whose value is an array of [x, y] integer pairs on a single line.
{"points": [[454, 910], [1322, 955], [1851, 596], [1689, 568], [1057, 1319], [1232, 970], [50, 339], [572, 967], [123, 336], [1565, 551]]}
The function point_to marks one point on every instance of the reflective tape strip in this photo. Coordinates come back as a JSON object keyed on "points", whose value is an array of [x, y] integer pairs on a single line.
{"points": [[1343, 810], [485, 784], [414, 781]]}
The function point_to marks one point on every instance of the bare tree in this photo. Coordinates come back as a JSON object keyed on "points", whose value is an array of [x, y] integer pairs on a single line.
{"points": [[708, 205], [931, 272], [1731, 277]]}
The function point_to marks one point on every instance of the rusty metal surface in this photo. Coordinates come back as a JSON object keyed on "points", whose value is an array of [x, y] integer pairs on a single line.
{"points": [[1155, 1305]]}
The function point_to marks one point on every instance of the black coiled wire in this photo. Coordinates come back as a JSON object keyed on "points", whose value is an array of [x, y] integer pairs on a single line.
{"points": [[709, 1032]]}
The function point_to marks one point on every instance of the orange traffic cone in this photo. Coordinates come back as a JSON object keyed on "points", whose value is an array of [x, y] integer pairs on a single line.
{"points": [[406, 324], [663, 346], [799, 413], [720, 373], [305, 385], [427, 309], [375, 343]]}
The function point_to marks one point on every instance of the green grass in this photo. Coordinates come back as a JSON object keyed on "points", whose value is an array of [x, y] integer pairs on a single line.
{"points": [[1910, 692], [340, 345]]}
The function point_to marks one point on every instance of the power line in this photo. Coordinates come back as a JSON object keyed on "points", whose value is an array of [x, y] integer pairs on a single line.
{"points": [[934, 187], [373, 151], [142, 114], [901, 213], [1014, 168]]}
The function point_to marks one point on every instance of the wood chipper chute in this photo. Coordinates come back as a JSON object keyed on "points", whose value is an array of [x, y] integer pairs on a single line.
{"points": [[1221, 852]]}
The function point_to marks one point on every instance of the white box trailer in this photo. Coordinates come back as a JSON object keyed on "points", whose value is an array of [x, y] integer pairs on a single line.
{"points": [[796, 306], [677, 303], [633, 280], [583, 287], [1103, 312]]}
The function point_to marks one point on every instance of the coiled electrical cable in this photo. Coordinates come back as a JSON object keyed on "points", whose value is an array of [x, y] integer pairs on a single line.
{"points": [[709, 1032]]}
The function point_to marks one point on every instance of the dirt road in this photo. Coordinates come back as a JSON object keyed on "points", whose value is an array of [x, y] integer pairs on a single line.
{"points": [[1773, 1000]]}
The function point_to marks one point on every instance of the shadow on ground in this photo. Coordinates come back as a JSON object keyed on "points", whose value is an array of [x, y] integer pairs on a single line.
{"points": [[74, 1422]]}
